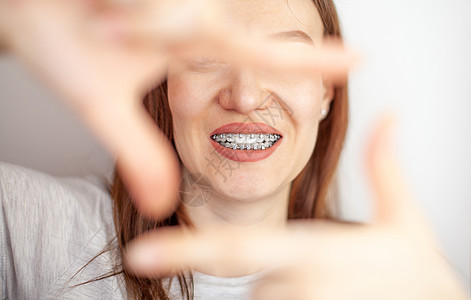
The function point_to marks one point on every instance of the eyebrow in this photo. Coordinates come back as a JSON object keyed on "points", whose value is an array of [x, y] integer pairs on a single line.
{"points": [[294, 34]]}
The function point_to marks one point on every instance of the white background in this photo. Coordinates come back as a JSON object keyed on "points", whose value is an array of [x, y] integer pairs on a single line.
{"points": [[416, 62]]}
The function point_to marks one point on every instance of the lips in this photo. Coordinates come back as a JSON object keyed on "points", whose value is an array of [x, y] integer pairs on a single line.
{"points": [[245, 128], [256, 127]]}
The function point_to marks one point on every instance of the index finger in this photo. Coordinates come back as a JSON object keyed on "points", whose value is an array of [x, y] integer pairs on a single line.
{"points": [[144, 156], [169, 250], [200, 30]]}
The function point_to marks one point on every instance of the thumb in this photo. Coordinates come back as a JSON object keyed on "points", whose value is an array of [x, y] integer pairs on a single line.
{"points": [[393, 201]]}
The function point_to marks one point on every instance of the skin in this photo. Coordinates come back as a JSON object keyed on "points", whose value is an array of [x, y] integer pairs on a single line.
{"points": [[204, 96], [67, 41]]}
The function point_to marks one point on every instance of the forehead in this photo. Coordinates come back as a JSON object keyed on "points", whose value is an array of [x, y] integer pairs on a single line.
{"points": [[270, 17]]}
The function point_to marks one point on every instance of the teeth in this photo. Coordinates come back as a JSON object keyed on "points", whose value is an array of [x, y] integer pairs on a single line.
{"points": [[246, 141], [240, 139], [260, 138]]}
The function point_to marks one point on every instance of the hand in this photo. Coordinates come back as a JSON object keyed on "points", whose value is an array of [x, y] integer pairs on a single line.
{"points": [[393, 257], [103, 74], [102, 57]]}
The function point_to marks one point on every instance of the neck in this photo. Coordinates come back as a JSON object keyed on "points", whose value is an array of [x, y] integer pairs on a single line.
{"points": [[268, 213]]}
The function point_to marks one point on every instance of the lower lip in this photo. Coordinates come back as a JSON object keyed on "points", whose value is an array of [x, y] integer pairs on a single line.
{"points": [[245, 155]]}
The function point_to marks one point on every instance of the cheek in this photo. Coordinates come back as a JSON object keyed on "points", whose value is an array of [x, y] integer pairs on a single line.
{"points": [[182, 100], [186, 110], [302, 95], [304, 104], [302, 100], [190, 95], [191, 102]]}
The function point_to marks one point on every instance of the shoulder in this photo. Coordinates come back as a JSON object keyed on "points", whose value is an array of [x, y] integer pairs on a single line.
{"points": [[31, 193], [21, 181], [32, 200], [52, 226]]}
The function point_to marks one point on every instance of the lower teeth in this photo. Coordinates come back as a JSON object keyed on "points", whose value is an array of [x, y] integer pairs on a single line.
{"points": [[258, 146]]}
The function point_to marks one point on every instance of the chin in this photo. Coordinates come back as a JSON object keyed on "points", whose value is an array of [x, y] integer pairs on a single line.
{"points": [[245, 187]]}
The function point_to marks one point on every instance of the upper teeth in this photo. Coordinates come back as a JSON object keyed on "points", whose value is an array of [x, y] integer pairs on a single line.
{"points": [[246, 141]]}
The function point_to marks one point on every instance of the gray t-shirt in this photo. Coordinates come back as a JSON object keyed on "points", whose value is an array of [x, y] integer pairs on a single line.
{"points": [[51, 227]]}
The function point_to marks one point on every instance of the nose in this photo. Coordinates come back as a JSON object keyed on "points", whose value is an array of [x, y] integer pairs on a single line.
{"points": [[244, 93]]}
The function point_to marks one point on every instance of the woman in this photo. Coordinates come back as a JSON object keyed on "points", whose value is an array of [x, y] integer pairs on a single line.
{"points": [[276, 136], [215, 109]]}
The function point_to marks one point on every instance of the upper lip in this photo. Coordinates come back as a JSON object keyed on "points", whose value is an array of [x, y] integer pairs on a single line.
{"points": [[238, 127]]}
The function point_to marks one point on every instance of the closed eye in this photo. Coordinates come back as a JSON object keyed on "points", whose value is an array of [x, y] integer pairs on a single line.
{"points": [[205, 63]]}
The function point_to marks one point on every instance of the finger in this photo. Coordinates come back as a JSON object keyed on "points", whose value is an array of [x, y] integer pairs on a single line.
{"points": [[331, 60], [393, 200], [196, 30], [145, 158], [166, 251]]}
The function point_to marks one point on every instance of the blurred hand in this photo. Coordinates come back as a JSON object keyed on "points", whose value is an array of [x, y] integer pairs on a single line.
{"points": [[103, 56], [393, 257]]}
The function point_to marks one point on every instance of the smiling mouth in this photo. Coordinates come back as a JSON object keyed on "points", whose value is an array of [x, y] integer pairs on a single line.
{"points": [[246, 141]]}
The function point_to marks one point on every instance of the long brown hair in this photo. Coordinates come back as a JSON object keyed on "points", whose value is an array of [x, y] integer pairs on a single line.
{"points": [[309, 191]]}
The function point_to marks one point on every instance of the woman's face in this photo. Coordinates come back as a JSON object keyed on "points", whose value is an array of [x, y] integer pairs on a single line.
{"points": [[220, 111]]}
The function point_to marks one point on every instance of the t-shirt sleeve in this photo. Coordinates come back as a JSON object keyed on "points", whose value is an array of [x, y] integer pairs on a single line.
{"points": [[49, 229]]}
